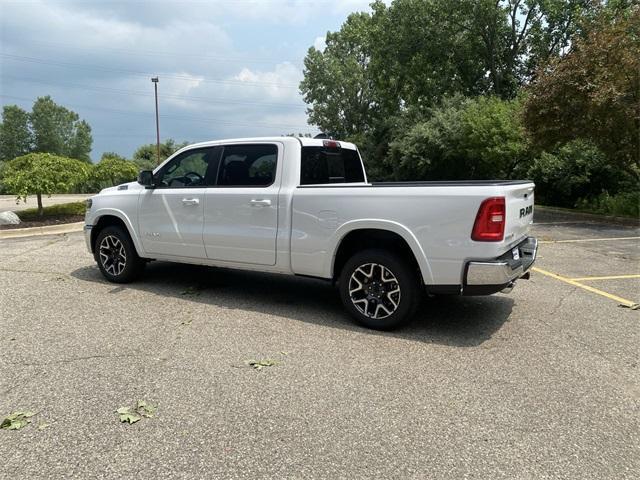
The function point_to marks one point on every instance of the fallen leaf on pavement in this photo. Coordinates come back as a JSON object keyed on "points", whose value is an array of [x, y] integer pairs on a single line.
{"points": [[132, 415], [260, 364], [145, 409], [127, 416], [635, 306], [16, 420]]}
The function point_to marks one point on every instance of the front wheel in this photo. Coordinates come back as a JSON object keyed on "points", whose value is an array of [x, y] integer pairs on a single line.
{"points": [[116, 256], [379, 289]]}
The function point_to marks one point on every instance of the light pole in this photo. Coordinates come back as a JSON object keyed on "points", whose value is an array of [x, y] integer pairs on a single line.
{"points": [[155, 87]]}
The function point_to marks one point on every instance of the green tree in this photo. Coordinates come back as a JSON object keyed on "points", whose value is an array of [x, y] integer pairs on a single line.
{"points": [[146, 156], [462, 139], [113, 170], [337, 82], [593, 93], [59, 131], [574, 171], [49, 128], [15, 135], [115, 155], [408, 56], [515, 36], [42, 174], [80, 147]]}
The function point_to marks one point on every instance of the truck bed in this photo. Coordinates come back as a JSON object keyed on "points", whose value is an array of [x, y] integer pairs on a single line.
{"points": [[435, 216], [428, 183]]}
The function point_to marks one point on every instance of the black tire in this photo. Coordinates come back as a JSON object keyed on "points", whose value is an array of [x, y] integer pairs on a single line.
{"points": [[362, 299], [116, 255]]}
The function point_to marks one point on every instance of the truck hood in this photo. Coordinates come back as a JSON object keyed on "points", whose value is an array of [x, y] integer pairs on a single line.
{"points": [[123, 187]]}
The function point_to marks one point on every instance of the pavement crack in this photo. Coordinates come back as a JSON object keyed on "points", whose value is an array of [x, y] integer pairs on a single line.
{"points": [[561, 301], [41, 272], [75, 359]]}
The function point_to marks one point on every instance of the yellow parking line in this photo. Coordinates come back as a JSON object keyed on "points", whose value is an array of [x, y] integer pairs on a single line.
{"points": [[622, 301], [589, 240], [611, 277]]}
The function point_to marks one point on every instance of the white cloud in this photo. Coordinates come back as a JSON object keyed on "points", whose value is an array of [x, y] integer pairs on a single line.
{"points": [[227, 68], [280, 83], [161, 13]]}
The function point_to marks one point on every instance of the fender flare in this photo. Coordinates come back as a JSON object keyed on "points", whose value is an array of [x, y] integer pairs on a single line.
{"points": [[376, 224], [119, 214]]}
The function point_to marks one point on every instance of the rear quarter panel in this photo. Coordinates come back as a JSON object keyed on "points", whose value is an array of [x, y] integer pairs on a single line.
{"points": [[436, 222]]}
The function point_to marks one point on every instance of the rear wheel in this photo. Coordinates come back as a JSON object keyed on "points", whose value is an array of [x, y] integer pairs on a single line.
{"points": [[379, 289], [116, 256]]}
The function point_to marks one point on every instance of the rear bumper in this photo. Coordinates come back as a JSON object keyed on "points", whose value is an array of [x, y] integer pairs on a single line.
{"points": [[484, 277]]}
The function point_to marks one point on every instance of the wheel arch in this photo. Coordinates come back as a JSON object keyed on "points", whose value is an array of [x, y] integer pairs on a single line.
{"points": [[113, 218], [356, 236]]}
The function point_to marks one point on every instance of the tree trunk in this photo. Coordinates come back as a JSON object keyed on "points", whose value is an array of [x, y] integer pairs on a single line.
{"points": [[40, 210]]}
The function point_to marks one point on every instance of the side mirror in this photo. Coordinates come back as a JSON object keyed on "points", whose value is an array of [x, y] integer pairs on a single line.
{"points": [[145, 178]]}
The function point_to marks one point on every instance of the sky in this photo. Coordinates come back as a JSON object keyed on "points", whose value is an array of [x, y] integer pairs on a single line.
{"points": [[227, 68]]}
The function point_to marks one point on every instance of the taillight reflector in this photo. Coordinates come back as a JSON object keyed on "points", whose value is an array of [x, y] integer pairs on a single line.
{"points": [[490, 221]]}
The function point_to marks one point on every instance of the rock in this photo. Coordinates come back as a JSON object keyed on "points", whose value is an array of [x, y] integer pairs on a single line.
{"points": [[9, 218]]}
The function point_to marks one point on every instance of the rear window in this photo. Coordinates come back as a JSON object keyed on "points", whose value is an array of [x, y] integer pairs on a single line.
{"points": [[330, 165]]}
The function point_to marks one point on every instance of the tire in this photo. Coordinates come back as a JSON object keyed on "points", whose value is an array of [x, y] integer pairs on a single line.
{"points": [[380, 289], [116, 256]]}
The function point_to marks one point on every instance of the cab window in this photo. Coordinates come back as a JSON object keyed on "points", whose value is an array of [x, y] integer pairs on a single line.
{"points": [[194, 168], [248, 165]]}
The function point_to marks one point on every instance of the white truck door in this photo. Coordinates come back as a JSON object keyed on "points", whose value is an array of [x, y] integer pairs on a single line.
{"points": [[171, 215], [241, 211]]}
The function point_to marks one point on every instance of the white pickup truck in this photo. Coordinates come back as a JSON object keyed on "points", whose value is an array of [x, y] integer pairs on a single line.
{"points": [[302, 206]]}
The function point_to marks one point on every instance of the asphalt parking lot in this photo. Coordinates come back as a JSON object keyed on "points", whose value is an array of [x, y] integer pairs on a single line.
{"points": [[541, 383]]}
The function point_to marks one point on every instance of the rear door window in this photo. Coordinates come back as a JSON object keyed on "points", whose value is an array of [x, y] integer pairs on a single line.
{"points": [[248, 165], [330, 165]]}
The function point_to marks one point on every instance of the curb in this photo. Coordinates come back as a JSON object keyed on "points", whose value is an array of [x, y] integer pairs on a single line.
{"points": [[37, 231]]}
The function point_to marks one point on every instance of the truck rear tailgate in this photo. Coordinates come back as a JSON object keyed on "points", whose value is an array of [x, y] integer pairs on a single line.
{"points": [[519, 205]]}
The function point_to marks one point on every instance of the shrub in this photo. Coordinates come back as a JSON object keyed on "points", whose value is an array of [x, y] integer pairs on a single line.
{"points": [[112, 171], [476, 138], [73, 208], [621, 204], [575, 170], [42, 174]]}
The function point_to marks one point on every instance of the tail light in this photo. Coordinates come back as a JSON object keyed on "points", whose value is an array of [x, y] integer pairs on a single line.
{"points": [[490, 221]]}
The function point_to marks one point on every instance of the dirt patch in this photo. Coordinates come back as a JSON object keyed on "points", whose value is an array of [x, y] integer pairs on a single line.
{"points": [[45, 221]]}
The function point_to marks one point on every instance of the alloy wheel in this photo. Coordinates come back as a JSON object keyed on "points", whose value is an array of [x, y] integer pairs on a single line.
{"points": [[113, 256], [374, 290]]}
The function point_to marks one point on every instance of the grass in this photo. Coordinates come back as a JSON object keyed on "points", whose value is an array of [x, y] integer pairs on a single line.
{"points": [[73, 208]]}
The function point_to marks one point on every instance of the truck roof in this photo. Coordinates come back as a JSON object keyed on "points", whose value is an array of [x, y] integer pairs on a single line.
{"points": [[304, 141]]}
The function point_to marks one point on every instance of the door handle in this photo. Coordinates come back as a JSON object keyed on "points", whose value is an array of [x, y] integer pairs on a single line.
{"points": [[190, 201], [260, 203]]}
